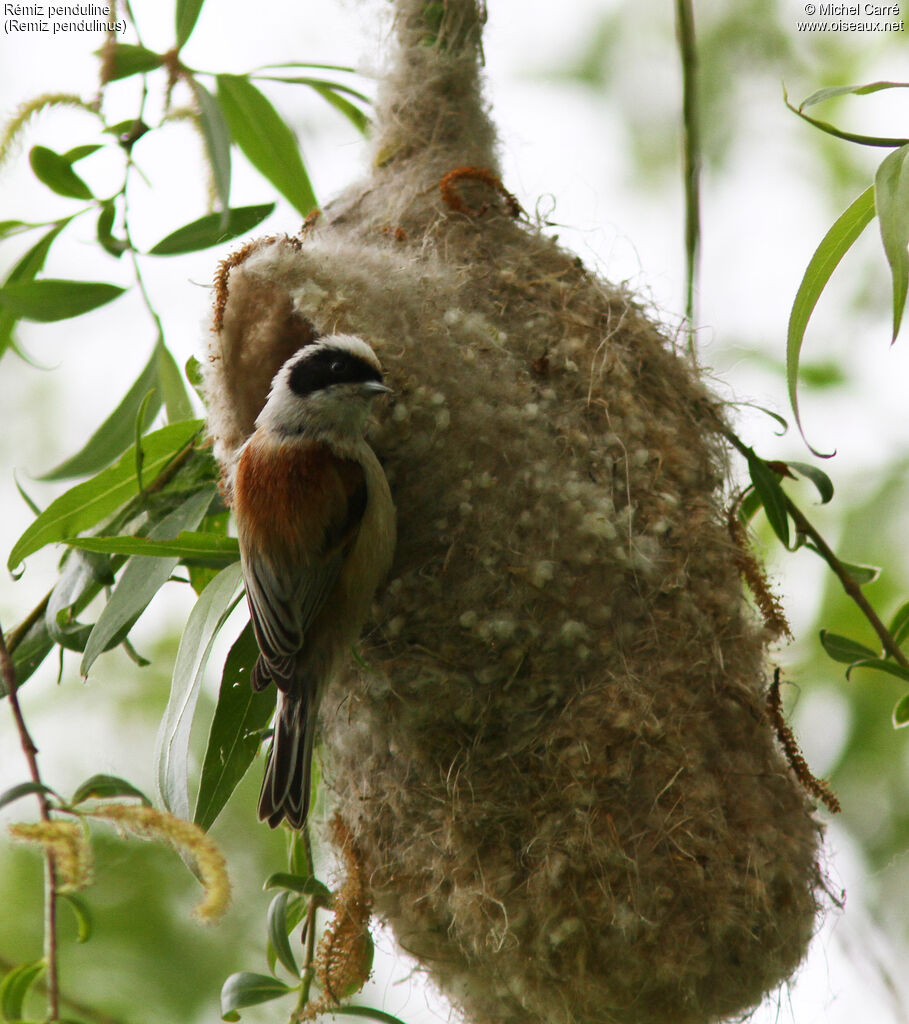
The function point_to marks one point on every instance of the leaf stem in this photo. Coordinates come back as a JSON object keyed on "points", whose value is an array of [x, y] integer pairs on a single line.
{"points": [[8, 671], [852, 589]]}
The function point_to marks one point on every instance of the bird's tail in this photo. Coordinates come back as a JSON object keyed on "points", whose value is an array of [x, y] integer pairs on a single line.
{"points": [[285, 789]]}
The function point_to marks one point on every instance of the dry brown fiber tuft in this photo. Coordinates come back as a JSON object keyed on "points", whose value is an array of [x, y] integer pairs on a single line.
{"points": [[557, 770]]}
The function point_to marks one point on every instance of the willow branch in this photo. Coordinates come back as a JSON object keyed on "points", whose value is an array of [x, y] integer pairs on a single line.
{"points": [[50, 867]]}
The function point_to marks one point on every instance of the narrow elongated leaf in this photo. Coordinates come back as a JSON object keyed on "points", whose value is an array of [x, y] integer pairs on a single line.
{"points": [[172, 748], [207, 549], [15, 987], [141, 580], [51, 299], [818, 477], [368, 1012], [772, 497], [235, 735], [187, 14], [104, 231], [127, 59], [106, 786], [113, 436], [217, 142], [861, 140], [318, 84], [265, 140], [892, 668], [248, 989], [834, 245], [844, 650], [176, 399], [25, 270], [32, 650], [84, 924], [83, 577], [899, 624], [351, 111], [78, 153], [56, 172], [901, 713], [314, 67], [25, 789], [891, 201], [843, 90], [209, 230], [304, 885], [276, 923], [86, 504]]}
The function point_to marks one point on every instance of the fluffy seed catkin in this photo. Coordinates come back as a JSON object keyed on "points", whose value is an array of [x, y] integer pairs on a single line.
{"points": [[558, 773]]}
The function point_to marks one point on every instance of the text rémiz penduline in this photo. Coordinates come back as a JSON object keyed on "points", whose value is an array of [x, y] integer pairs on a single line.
{"points": [[56, 10]]}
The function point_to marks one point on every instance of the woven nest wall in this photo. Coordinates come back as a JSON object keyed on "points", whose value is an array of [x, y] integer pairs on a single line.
{"points": [[557, 771]]}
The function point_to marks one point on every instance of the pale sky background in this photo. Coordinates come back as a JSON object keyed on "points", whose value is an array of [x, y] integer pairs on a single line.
{"points": [[563, 151]]}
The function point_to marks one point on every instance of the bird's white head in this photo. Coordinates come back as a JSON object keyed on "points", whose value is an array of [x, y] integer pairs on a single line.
{"points": [[324, 390]]}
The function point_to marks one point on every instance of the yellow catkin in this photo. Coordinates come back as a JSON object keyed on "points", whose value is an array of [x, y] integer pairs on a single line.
{"points": [[20, 121], [189, 839], [71, 850]]}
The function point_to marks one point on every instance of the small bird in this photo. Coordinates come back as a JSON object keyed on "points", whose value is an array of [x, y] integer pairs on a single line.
{"points": [[316, 528]]}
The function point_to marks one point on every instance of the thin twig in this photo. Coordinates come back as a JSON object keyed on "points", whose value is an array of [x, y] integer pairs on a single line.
{"points": [[849, 585], [50, 868], [691, 144]]}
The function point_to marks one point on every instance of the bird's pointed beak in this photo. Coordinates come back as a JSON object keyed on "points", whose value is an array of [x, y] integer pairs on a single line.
{"points": [[374, 388]]}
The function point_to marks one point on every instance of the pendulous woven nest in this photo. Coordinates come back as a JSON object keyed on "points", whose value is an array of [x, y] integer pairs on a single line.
{"points": [[557, 772]]}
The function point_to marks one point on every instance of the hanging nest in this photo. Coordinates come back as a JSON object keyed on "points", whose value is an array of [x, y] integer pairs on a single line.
{"points": [[557, 769]]}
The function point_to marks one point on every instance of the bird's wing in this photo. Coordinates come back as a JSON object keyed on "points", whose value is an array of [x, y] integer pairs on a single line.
{"points": [[286, 594]]}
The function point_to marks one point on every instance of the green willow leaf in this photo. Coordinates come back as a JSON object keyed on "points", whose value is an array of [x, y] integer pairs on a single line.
{"points": [[56, 172], [248, 989], [351, 111], [187, 14], [208, 549], [843, 90], [141, 580], [235, 735], [834, 245], [368, 1012], [891, 668], [172, 748], [49, 299], [302, 884], [25, 270], [276, 929], [844, 650], [86, 504], [899, 624], [25, 789], [174, 393], [209, 230], [84, 924], [901, 713], [126, 59], [818, 477], [217, 142], [104, 231], [106, 786], [829, 129], [767, 485], [15, 987], [265, 140], [78, 153], [113, 436], [891, 201]]}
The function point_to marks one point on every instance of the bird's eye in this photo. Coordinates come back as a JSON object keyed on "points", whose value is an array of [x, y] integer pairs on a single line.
{"points": [[337, 366]]}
